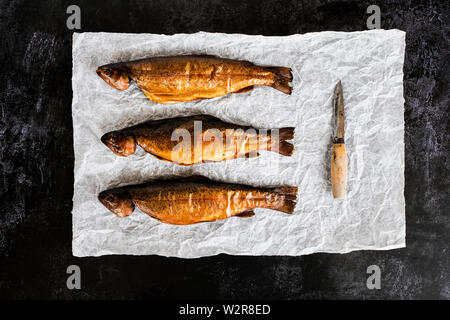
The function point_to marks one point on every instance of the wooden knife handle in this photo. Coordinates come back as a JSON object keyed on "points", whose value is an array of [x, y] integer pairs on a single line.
{"points": [[339, 171]]}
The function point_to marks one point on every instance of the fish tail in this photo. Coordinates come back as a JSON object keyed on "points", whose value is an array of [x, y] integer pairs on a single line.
{"points": [[281, 146], [288, 206], [283, 76], [287, 133], [285, 148], [289, 194]]}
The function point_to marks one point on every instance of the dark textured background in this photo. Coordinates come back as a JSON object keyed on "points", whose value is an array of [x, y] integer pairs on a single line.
{"points": [[36, 157]]}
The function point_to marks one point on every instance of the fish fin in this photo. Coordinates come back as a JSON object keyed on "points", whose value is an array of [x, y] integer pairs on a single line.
{"points": [[282, 72], [283, 76], [288, 203], [246, 214], [157, 98], [166, 98], [159, 157], [163, 159], [286, 148], [158, 219], [289, 193], [148, 94], [286, 133], [287, 206], [281, 146], [246, 89]]}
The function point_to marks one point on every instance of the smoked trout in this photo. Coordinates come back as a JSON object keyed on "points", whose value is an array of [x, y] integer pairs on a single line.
{"points": [[198, 139], [196, 199], [176, 79]]}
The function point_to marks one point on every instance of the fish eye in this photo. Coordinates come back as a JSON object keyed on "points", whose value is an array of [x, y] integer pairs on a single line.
{"points": [[108, 72], [109, 198]]}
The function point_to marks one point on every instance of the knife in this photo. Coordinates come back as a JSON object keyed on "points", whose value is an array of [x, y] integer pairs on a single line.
{"points": [[338, 154]]}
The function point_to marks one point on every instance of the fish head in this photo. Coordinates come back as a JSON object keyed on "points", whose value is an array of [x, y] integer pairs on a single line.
{"points": [[121, 143], [116, 75], [117, 201]]}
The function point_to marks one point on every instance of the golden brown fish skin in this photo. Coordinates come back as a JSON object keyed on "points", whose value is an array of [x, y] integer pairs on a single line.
{"points": [[156, 138], [176, 79], [196, 199]]}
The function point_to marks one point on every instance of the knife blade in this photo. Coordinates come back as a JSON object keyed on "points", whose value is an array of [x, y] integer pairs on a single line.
{"points": [[339, 161], [338, 103]]}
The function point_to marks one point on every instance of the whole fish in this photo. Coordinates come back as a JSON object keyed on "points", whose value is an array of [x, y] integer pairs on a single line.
{"points": [[196, 199], [176, 79], [198, 139]]}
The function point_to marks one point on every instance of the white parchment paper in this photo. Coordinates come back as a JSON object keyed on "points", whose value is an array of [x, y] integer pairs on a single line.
{"points": [[370, 65]]}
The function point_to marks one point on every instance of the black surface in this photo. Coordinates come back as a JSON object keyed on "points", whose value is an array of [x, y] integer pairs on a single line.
{"points": [[36, 157]]}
